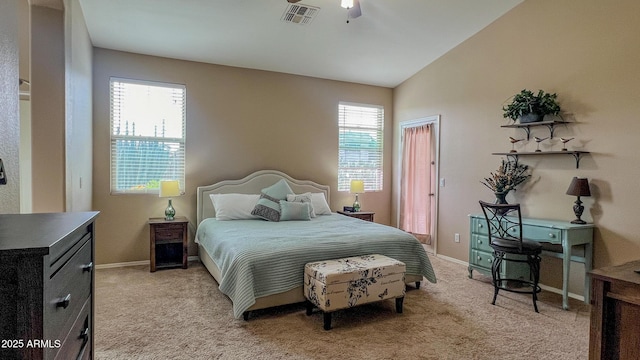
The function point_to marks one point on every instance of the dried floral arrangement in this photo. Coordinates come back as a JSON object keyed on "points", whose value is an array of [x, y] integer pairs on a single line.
{"points": [[509, 175]]}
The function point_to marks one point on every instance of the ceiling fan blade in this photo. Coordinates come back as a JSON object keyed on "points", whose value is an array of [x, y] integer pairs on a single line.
{"points": [[355, 11], [293, 1]]}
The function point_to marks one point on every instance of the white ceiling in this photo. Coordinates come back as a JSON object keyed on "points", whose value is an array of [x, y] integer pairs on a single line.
{"points": [[391, 41]]}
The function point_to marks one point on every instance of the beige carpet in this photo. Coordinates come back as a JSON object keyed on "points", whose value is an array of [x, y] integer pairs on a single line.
{"points": [[180, 314]]}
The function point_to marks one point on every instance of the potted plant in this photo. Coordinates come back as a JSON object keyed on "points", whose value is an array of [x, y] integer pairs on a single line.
{"points": [[529, 107], [509, 175]]}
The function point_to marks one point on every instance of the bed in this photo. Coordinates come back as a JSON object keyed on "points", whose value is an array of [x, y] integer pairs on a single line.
{"points": [[259, 264]]}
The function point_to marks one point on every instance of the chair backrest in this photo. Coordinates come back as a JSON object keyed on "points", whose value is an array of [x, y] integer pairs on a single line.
{"points": [[504, 221]]}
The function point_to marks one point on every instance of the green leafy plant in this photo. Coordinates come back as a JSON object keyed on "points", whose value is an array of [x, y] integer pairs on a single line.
{"points": [[509, 175], [526, 102]]}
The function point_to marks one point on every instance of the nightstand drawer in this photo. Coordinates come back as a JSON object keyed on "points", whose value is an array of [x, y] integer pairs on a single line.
{"points": [[366, 217], [169, 234], [362, 215], [67, 291], [168, 226]]}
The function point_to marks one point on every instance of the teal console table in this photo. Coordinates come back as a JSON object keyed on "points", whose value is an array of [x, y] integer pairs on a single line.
{"points": [[561, 233]]}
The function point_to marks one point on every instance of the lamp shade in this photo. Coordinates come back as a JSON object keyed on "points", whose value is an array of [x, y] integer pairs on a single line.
{"points": [[579, 187], [169, 188], [356, 187], [347, 4]]}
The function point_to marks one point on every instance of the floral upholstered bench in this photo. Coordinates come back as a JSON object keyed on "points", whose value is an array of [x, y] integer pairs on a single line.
{"points": [[343, 283]]}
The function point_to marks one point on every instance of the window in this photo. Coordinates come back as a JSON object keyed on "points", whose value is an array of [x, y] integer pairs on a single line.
{"points": [[360, 145], [147, 135]]}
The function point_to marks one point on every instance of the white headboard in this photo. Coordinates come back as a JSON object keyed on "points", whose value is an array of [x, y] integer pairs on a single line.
{"points": [[252, 184]]}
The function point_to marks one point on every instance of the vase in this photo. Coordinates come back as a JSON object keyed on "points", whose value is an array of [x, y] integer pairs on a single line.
{"points": [[501, 197], [531, 118]]}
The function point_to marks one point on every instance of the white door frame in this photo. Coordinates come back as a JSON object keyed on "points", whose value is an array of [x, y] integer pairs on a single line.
{"points": [[434, 120]]}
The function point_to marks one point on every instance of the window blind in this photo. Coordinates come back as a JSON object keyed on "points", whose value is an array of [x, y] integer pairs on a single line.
{"points": [[147, 135], [360, 145]]}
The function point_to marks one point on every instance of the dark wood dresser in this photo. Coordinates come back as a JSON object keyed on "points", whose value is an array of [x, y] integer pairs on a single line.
{"points": [[46, 285], [615, 313]]}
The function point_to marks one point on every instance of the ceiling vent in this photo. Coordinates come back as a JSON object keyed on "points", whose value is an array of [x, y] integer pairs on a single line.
{"points": [[300, 14]]}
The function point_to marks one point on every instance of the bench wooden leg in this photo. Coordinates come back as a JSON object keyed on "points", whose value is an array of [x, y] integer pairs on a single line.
{"points": [[327, 321], [399, 302]]}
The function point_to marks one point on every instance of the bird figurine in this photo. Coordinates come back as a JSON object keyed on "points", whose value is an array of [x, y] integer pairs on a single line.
{"points": [[513, 143], [564, 143], [539, 140]]}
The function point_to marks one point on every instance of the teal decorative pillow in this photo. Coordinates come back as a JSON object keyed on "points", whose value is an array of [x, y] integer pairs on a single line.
{"points": [[268, 206], [294, 210]]}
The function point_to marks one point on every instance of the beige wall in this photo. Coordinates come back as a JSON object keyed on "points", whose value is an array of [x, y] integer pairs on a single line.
{"points": [[238, 121], [587, 53], [47, 109]]}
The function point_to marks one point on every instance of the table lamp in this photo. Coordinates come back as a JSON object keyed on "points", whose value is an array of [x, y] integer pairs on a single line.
{"points": [[169, 189], [578, 187], [356, 187]]}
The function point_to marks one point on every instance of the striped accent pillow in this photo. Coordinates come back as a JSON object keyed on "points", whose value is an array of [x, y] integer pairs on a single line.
{"points": [[268, 206]]}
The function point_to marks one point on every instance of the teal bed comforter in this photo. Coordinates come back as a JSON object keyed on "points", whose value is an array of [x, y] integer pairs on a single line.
{"points": [[259, 258]]}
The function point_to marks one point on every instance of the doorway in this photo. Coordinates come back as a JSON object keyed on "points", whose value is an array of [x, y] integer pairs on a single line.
{"points": [[417, 203]]}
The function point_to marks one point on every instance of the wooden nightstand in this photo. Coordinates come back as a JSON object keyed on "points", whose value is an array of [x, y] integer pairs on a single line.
{"points": [[364, 215], [168, 242]]}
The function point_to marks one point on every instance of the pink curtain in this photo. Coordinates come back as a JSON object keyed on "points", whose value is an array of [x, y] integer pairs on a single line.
{"points": [[416, 182]]}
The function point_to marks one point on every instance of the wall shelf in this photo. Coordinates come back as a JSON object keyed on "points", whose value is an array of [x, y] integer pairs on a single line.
{"points": [[526, 127], [575, 154]]}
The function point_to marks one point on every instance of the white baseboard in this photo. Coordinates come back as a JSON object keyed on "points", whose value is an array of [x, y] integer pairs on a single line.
{"points": [[134, 263], [122, 264], [542, 286], [559, 291], [453, 260]]}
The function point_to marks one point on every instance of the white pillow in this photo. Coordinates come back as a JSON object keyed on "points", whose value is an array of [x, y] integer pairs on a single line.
{"points": [[303, 198], [234, 206], [319, 203]]}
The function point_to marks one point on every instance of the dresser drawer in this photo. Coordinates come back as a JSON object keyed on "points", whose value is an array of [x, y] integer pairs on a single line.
{"points": [[66, 292], [41, 258], [479, 226], [481, 258], [78, 341], [61, 251], [480, 242], [542, 234]]}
